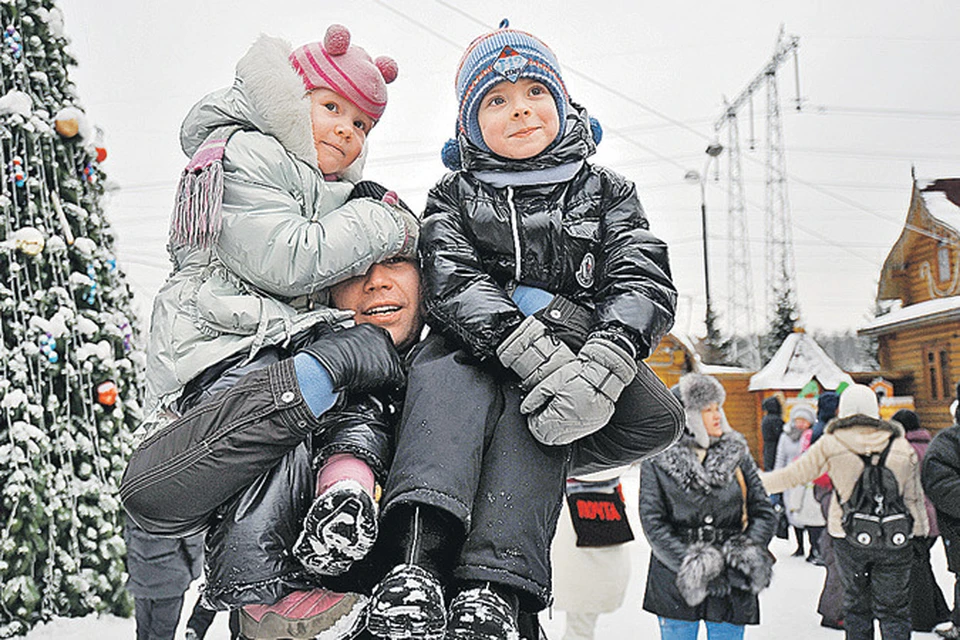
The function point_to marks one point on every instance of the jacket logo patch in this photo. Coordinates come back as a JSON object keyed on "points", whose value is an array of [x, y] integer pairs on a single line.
{"points": [[585, 272], [509, 64]]}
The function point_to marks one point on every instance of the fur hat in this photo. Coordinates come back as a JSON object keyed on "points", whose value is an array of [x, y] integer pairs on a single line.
{"points": [[827, 405], [347, 70], [696, 393], [504, 55], [858, 399], [802, 410]]}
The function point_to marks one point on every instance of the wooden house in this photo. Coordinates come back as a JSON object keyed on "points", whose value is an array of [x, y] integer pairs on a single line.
{"points": [[919, 343], [800, 366], [675, 356]]}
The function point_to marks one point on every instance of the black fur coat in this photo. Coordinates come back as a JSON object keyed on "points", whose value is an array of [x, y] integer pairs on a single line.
{"points": [[706, 580]]}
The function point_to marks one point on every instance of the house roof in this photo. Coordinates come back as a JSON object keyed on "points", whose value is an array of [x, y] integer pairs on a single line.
{"points": [[938, 217], [798, 361], [928, 312]]}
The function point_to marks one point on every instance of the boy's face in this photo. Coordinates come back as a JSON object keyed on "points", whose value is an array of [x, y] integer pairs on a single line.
{"points": [[518, 119], [387, 295], [339, 130]]}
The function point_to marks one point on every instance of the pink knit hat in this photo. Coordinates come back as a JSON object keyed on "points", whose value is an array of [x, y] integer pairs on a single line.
{"points": [[348, 70]]}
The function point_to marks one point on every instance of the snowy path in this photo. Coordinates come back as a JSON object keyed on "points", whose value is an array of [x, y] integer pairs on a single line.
{"points": [[787, 608]]}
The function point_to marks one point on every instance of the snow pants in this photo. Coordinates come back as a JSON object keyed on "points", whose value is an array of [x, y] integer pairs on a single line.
{"points": [[876, 584], [157, 619], [463, 446]]}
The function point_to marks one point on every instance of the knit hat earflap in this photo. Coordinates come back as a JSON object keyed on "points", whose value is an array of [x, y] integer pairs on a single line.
{"points": [[346, 69]]}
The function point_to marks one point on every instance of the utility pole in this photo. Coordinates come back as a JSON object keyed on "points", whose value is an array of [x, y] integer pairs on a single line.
{"points": [[779, 262]]}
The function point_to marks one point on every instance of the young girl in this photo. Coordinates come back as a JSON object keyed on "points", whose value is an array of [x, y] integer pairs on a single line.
{"points": [[267, 218]]}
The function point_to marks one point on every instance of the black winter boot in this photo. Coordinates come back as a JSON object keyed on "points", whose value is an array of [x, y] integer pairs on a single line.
{"points": [[409, 602], [483, 613]]}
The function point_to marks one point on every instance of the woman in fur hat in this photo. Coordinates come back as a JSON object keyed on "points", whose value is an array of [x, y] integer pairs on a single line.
{"points": [[708, 520]]}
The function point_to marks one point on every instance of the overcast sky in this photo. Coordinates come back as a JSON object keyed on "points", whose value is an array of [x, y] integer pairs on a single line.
{"points": [[878, 82]]}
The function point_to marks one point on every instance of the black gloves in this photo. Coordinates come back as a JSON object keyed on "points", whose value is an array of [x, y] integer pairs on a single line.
{"points": [[361, 358]]}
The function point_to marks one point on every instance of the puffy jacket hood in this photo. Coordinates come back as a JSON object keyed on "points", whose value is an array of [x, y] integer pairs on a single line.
{"points": [[576, 144], [267, 95], [863, 434]]}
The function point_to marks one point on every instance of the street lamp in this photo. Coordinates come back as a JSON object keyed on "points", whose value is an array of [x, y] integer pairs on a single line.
{"points": [[713, 150]]}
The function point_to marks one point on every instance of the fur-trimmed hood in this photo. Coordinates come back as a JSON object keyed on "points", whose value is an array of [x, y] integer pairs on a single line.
{"points": [[267, 95], [863, 434]]}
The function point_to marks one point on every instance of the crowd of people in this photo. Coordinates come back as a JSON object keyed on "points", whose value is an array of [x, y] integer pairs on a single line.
{"points": [[377, 421]]}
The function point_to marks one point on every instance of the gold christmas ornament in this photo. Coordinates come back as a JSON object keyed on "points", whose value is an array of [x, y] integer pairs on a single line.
{"points": [[67, 127]]}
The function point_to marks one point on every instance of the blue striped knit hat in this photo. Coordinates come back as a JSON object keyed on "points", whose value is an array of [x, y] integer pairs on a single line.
{"points": [[504, 54]]}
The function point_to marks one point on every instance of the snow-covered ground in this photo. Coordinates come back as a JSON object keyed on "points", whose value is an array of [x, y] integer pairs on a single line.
{"points": [[787, 608]]}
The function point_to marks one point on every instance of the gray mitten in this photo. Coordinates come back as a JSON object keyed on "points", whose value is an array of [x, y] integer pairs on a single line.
{"points": [[409, 222], [533, 352], [579, 398]]}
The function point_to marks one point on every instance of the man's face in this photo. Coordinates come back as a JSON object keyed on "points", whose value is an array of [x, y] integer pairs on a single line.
{"points": [[518, 120], [387, 295]]}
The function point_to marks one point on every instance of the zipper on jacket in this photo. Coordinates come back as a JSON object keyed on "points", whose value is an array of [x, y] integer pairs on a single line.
{"points": [[515, 229]]}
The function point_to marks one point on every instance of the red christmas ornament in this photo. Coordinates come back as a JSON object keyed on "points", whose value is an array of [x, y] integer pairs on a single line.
{"points": [[107, 393], [101, 154]]}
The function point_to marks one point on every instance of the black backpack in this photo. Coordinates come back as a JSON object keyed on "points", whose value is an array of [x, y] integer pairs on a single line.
{"points": [[875, 516]]}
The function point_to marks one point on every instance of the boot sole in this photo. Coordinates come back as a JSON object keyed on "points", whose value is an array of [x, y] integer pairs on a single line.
{"points": [[341, 622]]}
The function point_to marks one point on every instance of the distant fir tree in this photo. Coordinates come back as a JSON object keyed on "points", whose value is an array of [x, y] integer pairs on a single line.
{"points": [[786, 313], [713, 348], [70, 369]]}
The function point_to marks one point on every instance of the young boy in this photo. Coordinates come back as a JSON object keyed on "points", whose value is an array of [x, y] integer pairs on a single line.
{"points": [[523, 245], [267, 218]]}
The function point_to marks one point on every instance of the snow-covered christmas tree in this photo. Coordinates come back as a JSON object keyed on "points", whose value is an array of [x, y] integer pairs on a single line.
{"points": [[70, 369]]}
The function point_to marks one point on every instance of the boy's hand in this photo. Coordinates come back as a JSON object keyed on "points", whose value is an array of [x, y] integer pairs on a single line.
{"points": [[533, 352], [579, 398]]}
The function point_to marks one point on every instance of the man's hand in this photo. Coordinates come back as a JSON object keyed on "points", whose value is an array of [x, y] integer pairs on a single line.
{"points": [[360, 358], [579, 398]]}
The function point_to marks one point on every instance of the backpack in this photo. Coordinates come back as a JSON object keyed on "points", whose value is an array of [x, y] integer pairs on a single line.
{"points": [[875, 516]]}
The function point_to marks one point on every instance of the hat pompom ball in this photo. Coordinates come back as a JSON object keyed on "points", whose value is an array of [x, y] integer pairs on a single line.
{"points": [[337, 40], [596, 131], [451, 155], [387, 67]]}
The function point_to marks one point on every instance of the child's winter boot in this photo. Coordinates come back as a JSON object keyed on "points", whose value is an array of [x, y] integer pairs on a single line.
{"points": [[341, 525], [317, 614], [483, 613], [409, 602]]}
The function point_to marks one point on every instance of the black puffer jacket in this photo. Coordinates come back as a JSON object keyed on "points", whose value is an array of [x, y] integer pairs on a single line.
{"points": [[585, 238], [692, 516], [940, 476]]}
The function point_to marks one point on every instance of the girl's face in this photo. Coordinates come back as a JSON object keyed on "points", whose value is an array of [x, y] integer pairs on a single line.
{"points": [[801, 423], [339, 130], [518, 119], [711, 420]]}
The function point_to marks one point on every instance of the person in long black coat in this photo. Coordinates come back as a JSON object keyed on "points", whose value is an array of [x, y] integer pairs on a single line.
{"points": [[708, 521], [940, 476], [770, 428]]}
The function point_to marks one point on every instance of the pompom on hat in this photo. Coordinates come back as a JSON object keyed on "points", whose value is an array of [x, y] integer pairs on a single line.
{"points": [[504, 54], [346, 69]]}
